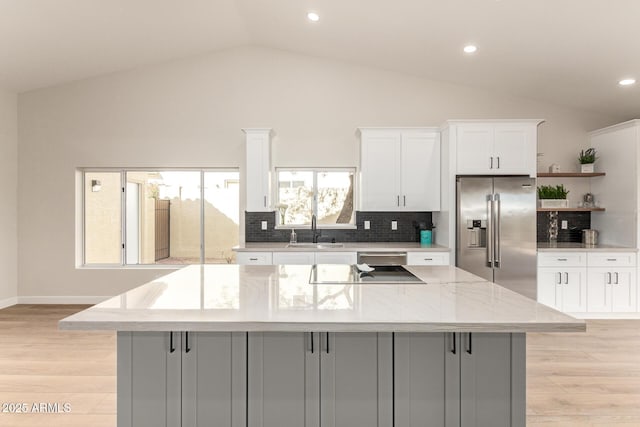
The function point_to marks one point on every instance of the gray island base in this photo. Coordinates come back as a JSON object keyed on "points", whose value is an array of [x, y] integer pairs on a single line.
{"points": [[259, 346]]}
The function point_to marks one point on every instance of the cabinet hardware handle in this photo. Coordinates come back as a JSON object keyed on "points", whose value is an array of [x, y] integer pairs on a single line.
{"points": [[559, 278], [469, 348], [265, 201], [311, 338], [404, 200], [453, 338], [566, 278], [616, 278], [428, 259], [498, 162], [612, 259], [562, 259], [398, 202], [491, 163], [608, 278], [327, 335], [187, 349], [253, 259], [171, 347]]}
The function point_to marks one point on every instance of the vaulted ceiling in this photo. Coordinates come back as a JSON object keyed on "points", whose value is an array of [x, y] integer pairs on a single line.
{"points": [[569, 52]]}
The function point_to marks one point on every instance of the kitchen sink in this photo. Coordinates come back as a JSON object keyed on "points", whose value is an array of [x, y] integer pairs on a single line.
{"points": [[316, 245]]}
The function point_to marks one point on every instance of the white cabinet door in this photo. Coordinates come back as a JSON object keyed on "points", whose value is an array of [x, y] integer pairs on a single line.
{"points": [[514, 149], [214, 379], [258, 170], [475, 149], [292, 258], [336, 257], [355, 379], [623, 290], [599, 290], [420, 171], [574, 290], [549, 292], [255, 258], [283, 379], [380, 171], [427, 258]]}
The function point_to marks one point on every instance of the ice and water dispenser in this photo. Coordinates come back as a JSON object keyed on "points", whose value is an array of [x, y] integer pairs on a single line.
{"points": [[477, 233]]}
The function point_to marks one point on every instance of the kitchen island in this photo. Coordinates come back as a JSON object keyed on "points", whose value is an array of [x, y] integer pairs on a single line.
{"points": [[237, 345]]}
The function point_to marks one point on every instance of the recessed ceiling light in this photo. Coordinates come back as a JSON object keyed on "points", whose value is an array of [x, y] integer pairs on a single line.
{"points": [[470, 48], [626, 82], [313, 16]]}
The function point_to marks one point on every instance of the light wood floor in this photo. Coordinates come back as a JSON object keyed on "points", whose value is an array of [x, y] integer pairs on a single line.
{"points": [[585, 380]]}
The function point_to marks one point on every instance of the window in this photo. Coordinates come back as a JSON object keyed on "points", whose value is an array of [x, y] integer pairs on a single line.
{"points": [[151, 217], [327, 193]]}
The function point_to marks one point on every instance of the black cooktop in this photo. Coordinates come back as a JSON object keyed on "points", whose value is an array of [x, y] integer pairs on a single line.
{"points": [[382, 274]]}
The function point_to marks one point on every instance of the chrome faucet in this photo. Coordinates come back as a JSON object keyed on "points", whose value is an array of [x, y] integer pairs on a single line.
{"points": [[314, 229]]}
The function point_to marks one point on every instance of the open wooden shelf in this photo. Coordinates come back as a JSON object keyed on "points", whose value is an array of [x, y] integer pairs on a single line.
{"points": [[571, 209], [569, 174]]}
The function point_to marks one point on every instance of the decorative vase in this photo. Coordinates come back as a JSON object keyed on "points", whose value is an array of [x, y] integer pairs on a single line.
{"points": [[587, 168]]}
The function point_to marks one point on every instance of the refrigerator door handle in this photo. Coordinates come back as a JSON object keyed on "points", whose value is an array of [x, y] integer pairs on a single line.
{"points": [[490, 230], [496, 225]]}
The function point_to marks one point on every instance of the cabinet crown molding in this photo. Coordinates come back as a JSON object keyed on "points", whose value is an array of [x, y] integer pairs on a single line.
{"points": [[450, 122]]}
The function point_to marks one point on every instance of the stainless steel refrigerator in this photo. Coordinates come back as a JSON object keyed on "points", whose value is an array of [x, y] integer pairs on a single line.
{"points": [[496, 230]]}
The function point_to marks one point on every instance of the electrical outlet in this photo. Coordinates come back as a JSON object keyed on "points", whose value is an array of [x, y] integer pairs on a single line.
{"points": [[264, 225], [394, 225], [565, 224], [367, 225]]}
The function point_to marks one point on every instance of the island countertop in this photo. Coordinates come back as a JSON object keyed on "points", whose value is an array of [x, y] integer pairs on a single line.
{"points": [[346, 246], [280, 298]]}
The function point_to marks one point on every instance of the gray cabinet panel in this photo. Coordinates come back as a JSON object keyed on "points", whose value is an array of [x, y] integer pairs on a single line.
{"points": [[349, 380], [485, 380], [213, 388], [283, 379], [419, 379], [155, 379]]}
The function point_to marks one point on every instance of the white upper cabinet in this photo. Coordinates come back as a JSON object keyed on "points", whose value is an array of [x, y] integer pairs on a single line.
{"points": [[400, 170], [258, 169], [495, 148]]}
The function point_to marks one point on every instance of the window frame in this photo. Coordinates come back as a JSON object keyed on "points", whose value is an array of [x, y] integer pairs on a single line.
{"points": [[315, 171], [82, 172]]}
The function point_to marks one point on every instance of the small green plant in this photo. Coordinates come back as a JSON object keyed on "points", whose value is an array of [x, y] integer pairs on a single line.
{"points": [[588, 156], [551, 192]]}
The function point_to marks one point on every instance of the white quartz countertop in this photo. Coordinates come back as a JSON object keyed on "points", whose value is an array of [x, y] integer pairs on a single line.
{"points": [[581, 247], [346, 246], [280, 298]]}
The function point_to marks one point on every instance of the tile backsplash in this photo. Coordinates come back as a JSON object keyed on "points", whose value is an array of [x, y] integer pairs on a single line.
{"points": [[380, 230], [577, 221]]}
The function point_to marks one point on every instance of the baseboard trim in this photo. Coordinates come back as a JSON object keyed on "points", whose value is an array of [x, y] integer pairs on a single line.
{"points": [[8, 302], [61, 300], [601, 316]]}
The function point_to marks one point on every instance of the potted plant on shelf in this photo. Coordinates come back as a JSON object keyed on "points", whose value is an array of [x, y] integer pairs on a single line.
{"points": [[587, 159], [553, 197]]}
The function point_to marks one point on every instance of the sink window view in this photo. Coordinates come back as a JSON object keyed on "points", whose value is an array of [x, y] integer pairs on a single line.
{"points": [[168, 217], [327, 194]]}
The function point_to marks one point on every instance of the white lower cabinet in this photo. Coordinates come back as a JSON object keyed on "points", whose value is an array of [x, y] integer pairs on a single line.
{"points": [[319, 379], [611, 290], [293, 258], [336, 257], [254, 258], [299, 258], [564, 289], [468, 380], [181, 379]]}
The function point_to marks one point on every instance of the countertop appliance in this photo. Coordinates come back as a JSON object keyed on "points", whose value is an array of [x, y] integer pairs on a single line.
{"points": [[496, 230], [349, 274]]}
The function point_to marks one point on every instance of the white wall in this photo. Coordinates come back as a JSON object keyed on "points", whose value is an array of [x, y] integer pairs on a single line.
{"points": [[190, 112], [8, 203]]}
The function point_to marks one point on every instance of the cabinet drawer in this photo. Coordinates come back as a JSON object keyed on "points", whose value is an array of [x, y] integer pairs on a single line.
{"points": [[427, 258], [256, 258], [562, 259], [298, 258], [613, 259]]}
